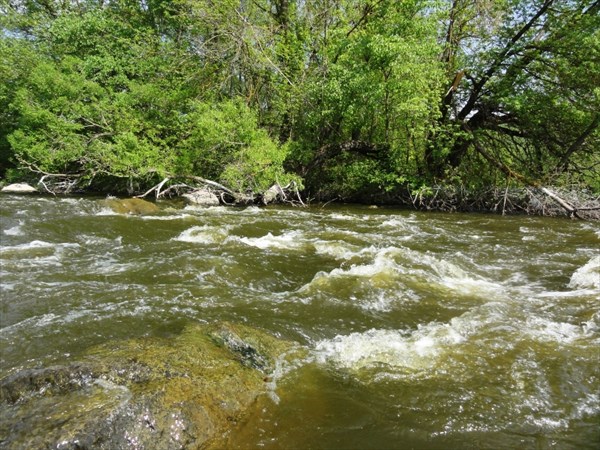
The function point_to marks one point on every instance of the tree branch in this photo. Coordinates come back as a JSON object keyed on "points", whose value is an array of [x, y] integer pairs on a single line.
{"points": [[497, 62], [579, 142]]}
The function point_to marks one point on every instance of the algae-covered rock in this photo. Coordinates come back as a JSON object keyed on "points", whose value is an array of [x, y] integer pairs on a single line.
{"points": [[143, 393], [135, 206]]}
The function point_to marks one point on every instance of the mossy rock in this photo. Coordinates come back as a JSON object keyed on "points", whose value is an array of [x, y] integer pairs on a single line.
{"points": [[134, 206], [154, 393]]}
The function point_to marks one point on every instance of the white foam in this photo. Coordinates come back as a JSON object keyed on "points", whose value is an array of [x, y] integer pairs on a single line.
{"points": [[542, 329], [567, 294], [36, 245], [89, 240], [202, 276], [109, 265], [453, 276], [588, 406], [31, 323], [381, 302], [409, 229], [338, 216], [388, 271], [593, 325], [394, 223], [415, 351], [223, 210], [381, 272], [587, 276], [28, 246], [433, 347], [291, 240], [205, 234], [16, 230], [106, 211], [336, 249], [284, 364], [166, 218]]}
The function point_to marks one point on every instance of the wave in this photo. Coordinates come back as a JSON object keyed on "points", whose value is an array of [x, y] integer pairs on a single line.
{"points": [[166, 217], [205, 234], [35, 252], [29, 246], [396, 270], [291, 240], [16, 230], [445, 348], [587, 276], [414, 351]]}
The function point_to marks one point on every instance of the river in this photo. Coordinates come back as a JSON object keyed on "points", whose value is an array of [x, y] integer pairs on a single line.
{"points": [[422, 330]]}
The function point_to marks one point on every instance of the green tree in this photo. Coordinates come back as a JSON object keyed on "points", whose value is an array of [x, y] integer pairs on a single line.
{"points": [[370, 99], [112, 97], [522, 89]]}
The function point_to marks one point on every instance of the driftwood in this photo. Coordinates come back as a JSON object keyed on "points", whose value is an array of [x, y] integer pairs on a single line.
{"points": [[571, 209], [54, 183], [155, 189], [285, 194], [193, 183], [507, 200], [192, 186]]}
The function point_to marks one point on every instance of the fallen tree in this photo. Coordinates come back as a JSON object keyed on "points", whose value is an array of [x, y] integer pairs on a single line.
{"points": [[194, 187], [571, 209], [501, 200], [172, 185]]}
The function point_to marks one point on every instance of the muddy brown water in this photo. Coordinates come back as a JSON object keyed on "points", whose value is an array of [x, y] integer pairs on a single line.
{"points": [[422, 330]]}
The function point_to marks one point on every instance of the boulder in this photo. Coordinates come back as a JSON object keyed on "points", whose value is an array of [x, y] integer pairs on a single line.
{"points": [[134, 206], [272, 194], [202, 197], [19, 188], [183, 392]]}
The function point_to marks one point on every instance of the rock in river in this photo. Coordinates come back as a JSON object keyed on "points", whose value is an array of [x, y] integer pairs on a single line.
{"points": [[135, 206], [151, 393], [202, 197], [19, 188]]}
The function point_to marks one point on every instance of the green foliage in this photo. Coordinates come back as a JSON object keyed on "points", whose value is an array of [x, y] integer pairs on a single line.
{"points": [[529, 97], [48, 135], [253, 93], [223, 141], [258, 166]]}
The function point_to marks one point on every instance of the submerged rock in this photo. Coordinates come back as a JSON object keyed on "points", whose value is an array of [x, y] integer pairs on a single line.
{"points": [[19, 188], [143, 393], [135, 206]]}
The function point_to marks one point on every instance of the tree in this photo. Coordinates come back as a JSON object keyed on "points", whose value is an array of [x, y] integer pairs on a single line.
{"points": [[526, 92], [112, 101], [361, 98], [369, 98]]}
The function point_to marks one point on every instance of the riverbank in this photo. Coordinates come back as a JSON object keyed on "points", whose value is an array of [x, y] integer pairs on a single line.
{"points": [[497, 200], [580, 203]]}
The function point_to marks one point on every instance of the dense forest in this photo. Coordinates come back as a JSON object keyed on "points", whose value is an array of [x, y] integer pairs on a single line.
{"points": [[358, 100]]}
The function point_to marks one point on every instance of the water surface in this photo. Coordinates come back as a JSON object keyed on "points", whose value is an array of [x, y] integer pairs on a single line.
{"points": [[422, 330]]}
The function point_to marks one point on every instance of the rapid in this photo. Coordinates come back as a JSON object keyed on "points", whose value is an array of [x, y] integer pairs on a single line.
{"points": [[418, 330]]}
